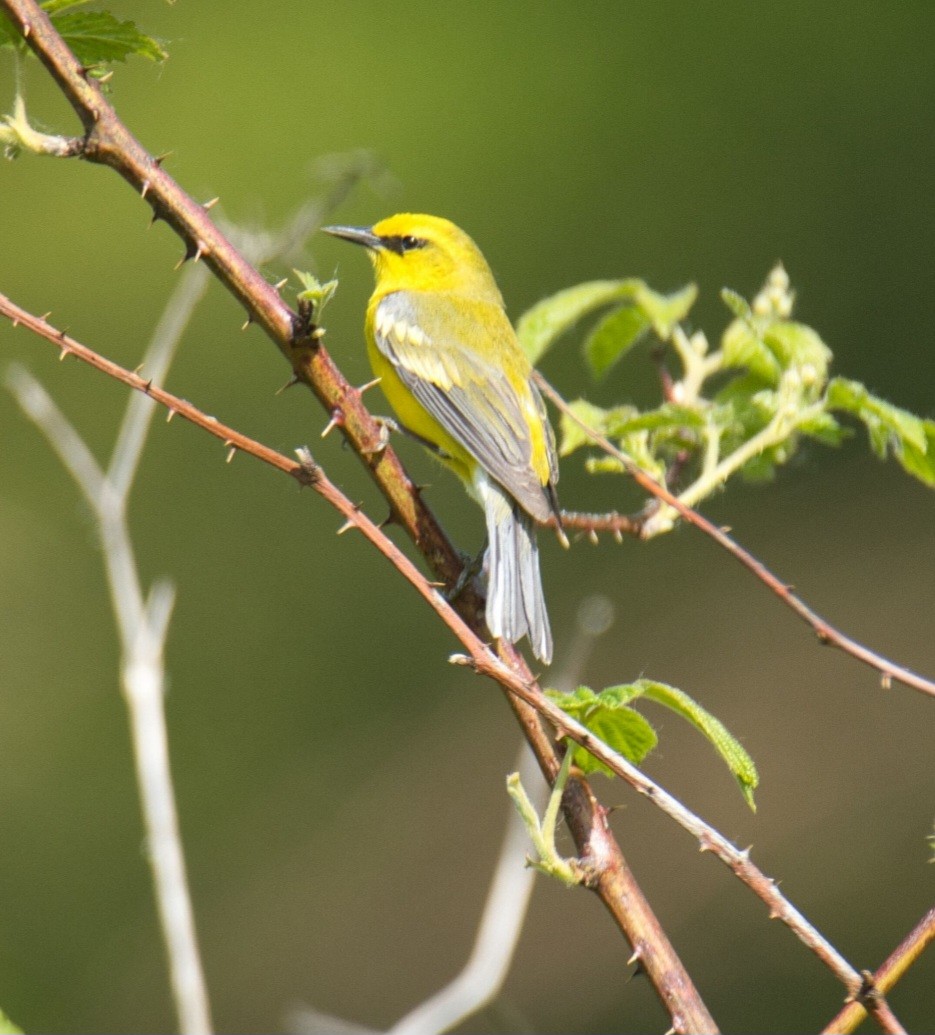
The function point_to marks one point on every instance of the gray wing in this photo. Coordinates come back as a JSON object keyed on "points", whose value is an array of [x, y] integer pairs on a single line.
{"points": [[472, 400]]}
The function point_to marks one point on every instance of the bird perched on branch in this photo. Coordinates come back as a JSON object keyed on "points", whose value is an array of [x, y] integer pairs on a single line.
{"points": [[450, 365]]}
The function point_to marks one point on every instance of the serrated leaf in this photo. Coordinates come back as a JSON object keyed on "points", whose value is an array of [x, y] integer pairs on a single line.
{"points": [[797, 345], [920, 463], [737, 304], [540, 327], [669, 416], [638, 447], [665, 311], [742, 347], [607, 716], [613, 337], [54, 6], [741, 388], [825, 429], [725, 743], [317, 294], [881, 417], [889, 427], [843, 394], [595, 417], [97, 37]]}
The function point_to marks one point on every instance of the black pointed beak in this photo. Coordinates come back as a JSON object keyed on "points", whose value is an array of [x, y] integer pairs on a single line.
{"points": [[358, 234]]}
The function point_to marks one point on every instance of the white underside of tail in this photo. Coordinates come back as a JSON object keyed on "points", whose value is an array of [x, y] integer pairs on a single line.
{"points": [[515, 603]]}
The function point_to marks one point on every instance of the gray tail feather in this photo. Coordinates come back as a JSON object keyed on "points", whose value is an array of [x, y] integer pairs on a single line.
{"points": [[515, 603]]}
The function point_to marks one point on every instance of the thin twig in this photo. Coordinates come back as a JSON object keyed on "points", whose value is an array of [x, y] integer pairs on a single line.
{"points": [[175, 318], [884, 980], [497, 934], [142, 627], [826, 632], [582, 809], [511, 887], [587, 819], [109, 142]]}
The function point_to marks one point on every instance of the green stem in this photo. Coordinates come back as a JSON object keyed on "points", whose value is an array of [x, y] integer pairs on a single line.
{"points": [[787, 418], [542, 833]]}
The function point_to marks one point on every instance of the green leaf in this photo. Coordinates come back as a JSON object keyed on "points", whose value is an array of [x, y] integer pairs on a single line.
{"points": [[623, 328], [318, 295], [541, 326], [96, 37], [737, 304], [762, 467], [889, 427], [613, 337], [725, 743], [741, 388], [54, 6], [595, 417], [796, 345], [7, 1027], [742, 347], [607, 716], [636, 448], [853, 397], [668, 417], [918, 462], [825, 429], [665, 311]]}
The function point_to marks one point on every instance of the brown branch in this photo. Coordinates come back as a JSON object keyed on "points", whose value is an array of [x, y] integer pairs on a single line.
{"points": [[884, 980], [107, 141], [587, 819], [590, 525], [883, 1015], [827, 633]]}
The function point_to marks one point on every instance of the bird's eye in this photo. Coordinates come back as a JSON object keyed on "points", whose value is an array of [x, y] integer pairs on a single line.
{"points": [[402, 243]]}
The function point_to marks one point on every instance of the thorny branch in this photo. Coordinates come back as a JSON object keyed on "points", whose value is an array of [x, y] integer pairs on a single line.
{"points": [[142, 621], [884, 979], [598, 854], [826, 632], [108, 141]]}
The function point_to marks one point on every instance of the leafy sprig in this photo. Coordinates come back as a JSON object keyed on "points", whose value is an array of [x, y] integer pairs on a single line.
{"points": [[608, 715], [743, 408], [96, 38]]}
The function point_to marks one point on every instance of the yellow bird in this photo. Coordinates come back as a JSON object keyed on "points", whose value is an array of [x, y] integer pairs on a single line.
{"points": [[439, 339]]}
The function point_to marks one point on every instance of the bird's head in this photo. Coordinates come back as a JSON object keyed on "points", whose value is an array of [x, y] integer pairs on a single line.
{"points": [[423, 253]]}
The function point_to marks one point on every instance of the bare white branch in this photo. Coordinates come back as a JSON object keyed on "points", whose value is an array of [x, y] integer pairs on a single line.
{"points": [[139, 414], [497, 934], [42, 410], [143, 621], [511, 887], [142, 629]]}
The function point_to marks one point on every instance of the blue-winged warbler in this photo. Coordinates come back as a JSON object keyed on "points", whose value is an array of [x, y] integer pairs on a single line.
{"points": [[449, 363]]}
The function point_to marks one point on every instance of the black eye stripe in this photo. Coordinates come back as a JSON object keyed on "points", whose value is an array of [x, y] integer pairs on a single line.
{"points": [[400, 243]]}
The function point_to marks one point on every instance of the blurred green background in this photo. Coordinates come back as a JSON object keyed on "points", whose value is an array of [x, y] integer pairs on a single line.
{"points": [[341, 787]]}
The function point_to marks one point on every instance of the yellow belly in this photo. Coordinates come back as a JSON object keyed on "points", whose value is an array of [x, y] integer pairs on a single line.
{"points": [[415, 418]]}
